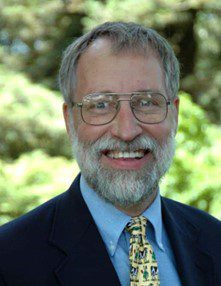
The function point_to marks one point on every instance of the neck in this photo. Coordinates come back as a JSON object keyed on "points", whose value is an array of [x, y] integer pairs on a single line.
{"points": [[138, 209]]}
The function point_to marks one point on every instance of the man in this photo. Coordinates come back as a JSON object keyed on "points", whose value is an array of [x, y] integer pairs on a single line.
{"points": [[120, 84]]}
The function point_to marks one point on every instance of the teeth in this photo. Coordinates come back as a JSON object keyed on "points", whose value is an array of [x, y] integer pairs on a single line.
{"points": [[131, 155]]}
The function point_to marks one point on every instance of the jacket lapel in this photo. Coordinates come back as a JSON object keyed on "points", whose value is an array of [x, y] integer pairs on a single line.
{"points": [[195, 266], [86, 261]]}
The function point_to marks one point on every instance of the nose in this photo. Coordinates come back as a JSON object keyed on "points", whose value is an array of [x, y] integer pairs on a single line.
{"points": [[125, 126]]}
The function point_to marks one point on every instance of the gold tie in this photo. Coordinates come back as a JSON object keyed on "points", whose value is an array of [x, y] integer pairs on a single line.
{"points": [[143, 264]]}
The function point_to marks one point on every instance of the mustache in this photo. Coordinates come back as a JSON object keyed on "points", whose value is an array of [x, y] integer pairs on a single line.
{"points": [[109, 143]]}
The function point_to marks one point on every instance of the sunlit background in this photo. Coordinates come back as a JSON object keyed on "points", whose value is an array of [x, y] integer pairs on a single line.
{"points": [[35, 157]]}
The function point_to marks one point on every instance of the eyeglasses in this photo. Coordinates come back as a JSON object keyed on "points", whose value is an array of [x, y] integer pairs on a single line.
{"points": [[101, 108]]}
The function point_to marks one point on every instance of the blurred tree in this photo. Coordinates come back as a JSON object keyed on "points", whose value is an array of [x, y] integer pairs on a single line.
{"points": [[31, 180], [31, 118], [33, 35]]}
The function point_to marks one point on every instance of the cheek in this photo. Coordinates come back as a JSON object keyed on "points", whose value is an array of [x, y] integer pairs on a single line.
{"points": [[89, 133], [159, 131]]}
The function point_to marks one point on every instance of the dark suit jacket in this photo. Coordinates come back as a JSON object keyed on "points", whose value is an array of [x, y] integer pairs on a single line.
{"points": [[59, 244]]}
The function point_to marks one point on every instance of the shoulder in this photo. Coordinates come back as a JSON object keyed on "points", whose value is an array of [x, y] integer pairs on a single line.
{"points": [[192, 214], [29, 225], [37, 222], [189, 211]]}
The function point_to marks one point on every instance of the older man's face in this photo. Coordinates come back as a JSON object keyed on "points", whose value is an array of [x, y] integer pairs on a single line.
{"points": [[98, 147]]}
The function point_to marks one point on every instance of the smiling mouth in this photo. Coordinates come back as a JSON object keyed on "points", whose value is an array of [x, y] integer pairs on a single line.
{"points": [[116, 154]]}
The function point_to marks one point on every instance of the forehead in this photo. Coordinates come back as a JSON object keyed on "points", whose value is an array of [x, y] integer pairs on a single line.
{"points": [[99, 69]]}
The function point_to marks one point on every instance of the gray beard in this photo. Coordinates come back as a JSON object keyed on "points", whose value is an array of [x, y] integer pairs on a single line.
{"points": [[124, 188]]}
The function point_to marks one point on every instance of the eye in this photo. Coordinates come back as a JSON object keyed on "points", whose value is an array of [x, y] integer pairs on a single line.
{"points": [[144, 102], [101, 105]]}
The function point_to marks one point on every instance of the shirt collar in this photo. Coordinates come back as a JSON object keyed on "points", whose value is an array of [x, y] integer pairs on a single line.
{"points": [[154, 215], [111, 221]]}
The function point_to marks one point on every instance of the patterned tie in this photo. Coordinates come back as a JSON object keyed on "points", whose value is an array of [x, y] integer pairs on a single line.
{"points": [[143, 264]]}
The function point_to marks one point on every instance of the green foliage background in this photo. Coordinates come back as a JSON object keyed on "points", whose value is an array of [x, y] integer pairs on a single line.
{"points": [[35, 156]]}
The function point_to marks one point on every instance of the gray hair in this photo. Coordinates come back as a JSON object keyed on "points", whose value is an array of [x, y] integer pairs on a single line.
{"points": [[123, 37]]}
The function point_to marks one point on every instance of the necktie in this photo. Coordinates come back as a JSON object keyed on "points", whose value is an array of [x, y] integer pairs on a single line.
{"points": [[143, 264]]}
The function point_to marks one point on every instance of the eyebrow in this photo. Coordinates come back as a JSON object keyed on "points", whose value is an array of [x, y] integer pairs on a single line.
{"points": [[149, 90], [142, 90]]}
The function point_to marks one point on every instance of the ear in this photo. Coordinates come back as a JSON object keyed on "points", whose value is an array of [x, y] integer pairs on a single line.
{"points": [[176, 103], [66, 117]]}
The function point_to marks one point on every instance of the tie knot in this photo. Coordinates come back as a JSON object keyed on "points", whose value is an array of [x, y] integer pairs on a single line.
{"points": [[137, 225]]}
